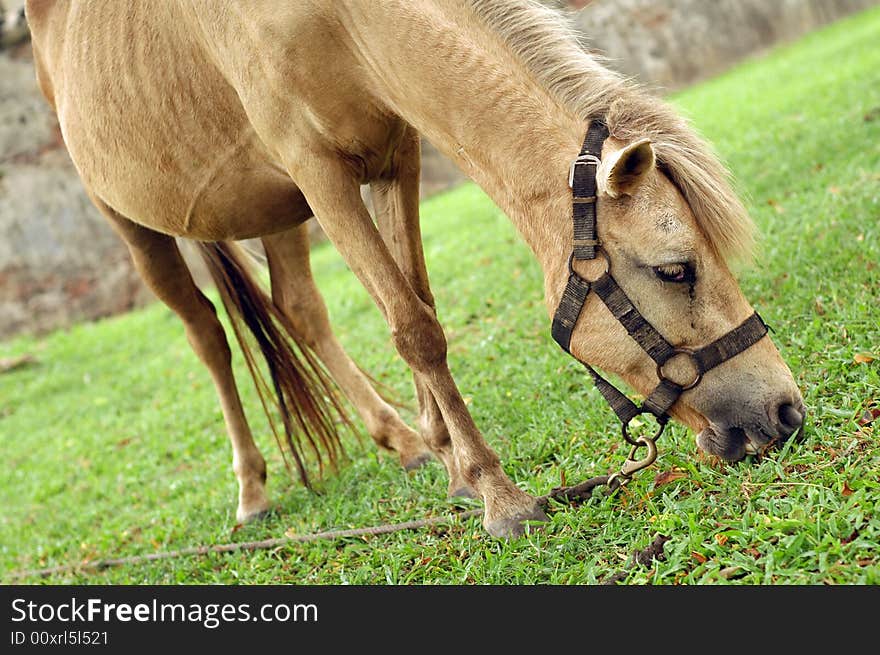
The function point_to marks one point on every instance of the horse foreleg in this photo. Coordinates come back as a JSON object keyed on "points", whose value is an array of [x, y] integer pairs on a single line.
{"points": [[396, 203], [334, 195], [157, 258], [295, 292]]}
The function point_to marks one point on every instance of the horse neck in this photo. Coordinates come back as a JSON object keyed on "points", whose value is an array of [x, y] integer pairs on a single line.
{"points": [[457, 83]]}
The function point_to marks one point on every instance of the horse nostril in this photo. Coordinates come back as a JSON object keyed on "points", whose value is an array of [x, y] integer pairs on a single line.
{"points": [[790, 419]]}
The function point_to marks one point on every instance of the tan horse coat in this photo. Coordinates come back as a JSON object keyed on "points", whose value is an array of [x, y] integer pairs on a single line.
{"points": [[223, 120]]}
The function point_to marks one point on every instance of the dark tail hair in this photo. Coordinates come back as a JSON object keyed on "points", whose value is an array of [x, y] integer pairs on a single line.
{"points": [[301, 392]]}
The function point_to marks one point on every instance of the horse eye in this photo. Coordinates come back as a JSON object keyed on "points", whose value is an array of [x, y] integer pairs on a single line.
{"points": [[676, 273]]}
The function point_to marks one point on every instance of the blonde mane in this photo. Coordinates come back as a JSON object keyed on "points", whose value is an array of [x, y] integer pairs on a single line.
{"points": [[550, 49]]}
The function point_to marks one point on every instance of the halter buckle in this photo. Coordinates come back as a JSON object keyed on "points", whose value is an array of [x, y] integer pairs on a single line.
{"points": [[582, 160]]}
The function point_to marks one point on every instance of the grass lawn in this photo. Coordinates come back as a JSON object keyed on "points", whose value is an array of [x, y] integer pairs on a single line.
{"points": [[113, 443]]}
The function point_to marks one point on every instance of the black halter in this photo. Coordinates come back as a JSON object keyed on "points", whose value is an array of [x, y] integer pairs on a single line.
{"points": [[585, 244]]}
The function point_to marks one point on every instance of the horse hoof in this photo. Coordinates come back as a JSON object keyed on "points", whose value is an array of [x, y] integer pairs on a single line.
{"points": [[254, 516], [461, 492], [514, 526], [419, 460]]}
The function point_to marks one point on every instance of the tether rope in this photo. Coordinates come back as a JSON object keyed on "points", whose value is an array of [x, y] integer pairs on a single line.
{"points": [[574, 495]]}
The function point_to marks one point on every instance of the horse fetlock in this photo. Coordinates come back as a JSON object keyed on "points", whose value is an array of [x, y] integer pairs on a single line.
{"points": [[251, 475], [460, 489], [435, 433], [486, 473], [507, 507], [411, 449], [390, 432], [253, 502], [247, 460], [386, 427], [508, 513], [250, 470], [252, 507], [514, 526]]}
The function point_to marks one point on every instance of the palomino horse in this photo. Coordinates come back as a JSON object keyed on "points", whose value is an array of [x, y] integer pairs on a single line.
{"points": [[224, 120]]}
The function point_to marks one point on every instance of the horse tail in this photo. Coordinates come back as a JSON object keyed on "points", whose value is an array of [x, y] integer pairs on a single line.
{"points": [[298, 389]]}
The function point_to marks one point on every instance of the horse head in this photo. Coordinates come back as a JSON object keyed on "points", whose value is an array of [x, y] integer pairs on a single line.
{"points": [[670, 266]]}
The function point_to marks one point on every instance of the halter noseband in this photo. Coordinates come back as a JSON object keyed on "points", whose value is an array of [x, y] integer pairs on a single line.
{"points": [[585, 244]]}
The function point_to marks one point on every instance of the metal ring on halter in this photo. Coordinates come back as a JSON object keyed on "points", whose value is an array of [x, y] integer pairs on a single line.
{"points": [[599, 251], [698, 370], [661, 423]]}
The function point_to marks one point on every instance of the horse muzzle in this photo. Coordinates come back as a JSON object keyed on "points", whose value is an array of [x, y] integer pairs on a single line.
{"points": [[732, 442]]}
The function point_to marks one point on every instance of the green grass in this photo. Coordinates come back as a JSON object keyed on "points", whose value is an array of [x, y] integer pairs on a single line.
{"points": [[113, 443]]}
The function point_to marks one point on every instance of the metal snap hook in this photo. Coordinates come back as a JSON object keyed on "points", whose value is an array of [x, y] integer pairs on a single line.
{"points": [[632, 465]]}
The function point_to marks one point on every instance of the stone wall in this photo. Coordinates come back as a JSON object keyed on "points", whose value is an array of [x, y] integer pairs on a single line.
{"points": [[61, 263], [672, 43], [59, 260]]}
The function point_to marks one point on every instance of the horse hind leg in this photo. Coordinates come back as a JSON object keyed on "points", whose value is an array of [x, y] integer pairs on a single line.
{"points": [[396, 202], [158, 260], [295, 293]]}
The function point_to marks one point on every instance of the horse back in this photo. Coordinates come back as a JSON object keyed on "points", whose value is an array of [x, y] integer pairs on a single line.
{"points": [[153, 123], [191, 117]]}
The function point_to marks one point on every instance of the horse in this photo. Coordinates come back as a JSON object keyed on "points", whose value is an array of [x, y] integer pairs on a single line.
{"points": [[227, 120]]}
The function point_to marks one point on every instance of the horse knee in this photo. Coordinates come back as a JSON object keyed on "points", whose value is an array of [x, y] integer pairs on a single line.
{"points": [[249, 465], [419, 339]]}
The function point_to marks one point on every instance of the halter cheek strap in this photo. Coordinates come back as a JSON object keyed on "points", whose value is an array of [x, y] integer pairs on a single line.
{"points": [[585, 240], [585, 245]]}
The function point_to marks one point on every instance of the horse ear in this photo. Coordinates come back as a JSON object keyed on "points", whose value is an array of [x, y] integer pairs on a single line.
{"points": [[623, 171]]}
